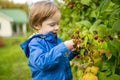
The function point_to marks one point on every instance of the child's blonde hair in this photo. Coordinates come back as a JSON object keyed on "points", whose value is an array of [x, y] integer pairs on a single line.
{"points": [[40, 11]]}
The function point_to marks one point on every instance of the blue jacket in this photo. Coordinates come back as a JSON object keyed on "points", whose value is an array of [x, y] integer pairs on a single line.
{"points": [[48, 57]]}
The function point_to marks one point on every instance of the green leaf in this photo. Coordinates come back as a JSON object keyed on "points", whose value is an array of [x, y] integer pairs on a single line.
{"points": [[80, 73], [105, 66], [103, 6], [85, 23], [85, 41], [102, 30], [112, 49], [114, 77], [93, 14], [115, 12], [86, 2], [116, 44], [102, 76], [85, 32], [116, 1], [95, 26], [116, 25]]}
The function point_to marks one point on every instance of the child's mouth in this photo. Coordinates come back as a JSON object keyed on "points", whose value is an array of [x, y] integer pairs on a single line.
{"points": [[55, 33]]}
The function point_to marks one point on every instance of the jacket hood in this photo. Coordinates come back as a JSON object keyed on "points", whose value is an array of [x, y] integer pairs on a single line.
{"points": [[49, 37]]}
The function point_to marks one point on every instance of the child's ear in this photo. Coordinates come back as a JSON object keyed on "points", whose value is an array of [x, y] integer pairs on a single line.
{"points": [[37, 26]]}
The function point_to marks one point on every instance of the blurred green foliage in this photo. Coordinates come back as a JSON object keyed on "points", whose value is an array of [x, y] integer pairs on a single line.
{"points": [[13, 63]]}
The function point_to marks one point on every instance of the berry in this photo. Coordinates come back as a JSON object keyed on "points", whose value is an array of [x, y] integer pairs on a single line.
{"points": [[72, 37], [78, 56], [101, 40], [77, 37], [110, 37], [77, 32], [96, 37]]}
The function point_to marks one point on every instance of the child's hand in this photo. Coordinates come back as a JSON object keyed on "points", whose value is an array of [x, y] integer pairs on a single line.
{"points": [[71, 45]]}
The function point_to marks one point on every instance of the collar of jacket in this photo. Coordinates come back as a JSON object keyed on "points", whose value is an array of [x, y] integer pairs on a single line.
{"points": [[49, 36]]}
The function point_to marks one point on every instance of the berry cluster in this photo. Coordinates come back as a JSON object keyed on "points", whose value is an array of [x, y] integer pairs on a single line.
{"points": [[103, 39], [76, 38]]}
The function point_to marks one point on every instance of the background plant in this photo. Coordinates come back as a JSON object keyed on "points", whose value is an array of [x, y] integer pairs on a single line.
{"points": [[98, 24]]}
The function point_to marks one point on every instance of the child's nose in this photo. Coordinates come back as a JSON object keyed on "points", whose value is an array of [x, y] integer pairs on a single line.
{"points": [[56, 27]]}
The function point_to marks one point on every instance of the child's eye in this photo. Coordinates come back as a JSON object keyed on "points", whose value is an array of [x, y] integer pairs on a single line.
{"points": [[52, 24]]}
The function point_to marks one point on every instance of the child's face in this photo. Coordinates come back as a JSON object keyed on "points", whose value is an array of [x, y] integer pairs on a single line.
{"points": [[51, 24]]}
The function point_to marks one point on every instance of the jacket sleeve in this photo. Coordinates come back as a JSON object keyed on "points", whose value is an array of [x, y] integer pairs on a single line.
{"points": [[42, 60], [72, 54]]}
